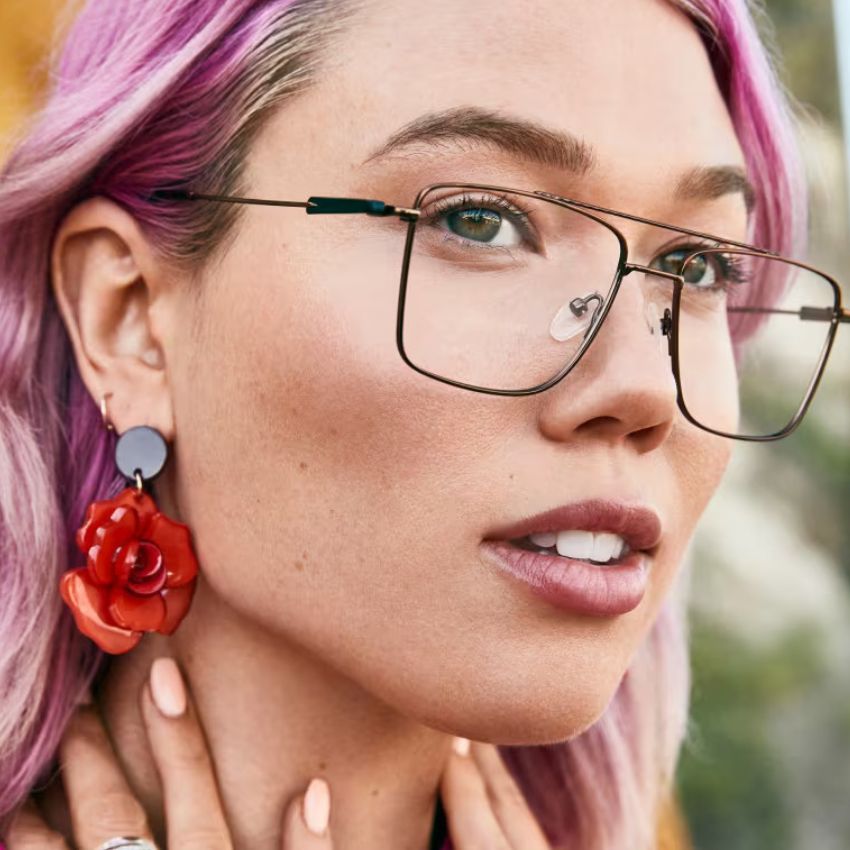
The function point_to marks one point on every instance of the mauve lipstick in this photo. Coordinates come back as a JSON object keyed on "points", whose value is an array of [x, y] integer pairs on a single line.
{"points": [[574, 585]]}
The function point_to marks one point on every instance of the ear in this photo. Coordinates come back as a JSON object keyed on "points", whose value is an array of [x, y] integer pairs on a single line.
{"points": [[109, 288]]}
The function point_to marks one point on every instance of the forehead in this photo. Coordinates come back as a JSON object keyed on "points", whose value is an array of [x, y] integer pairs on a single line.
{"points": [[630, 77]]}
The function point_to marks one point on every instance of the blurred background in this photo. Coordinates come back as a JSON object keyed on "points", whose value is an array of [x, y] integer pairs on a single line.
{"points": [[767, 762]]}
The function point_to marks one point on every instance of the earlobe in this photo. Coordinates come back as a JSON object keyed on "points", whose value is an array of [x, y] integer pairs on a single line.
{"points": [[107, 283]]}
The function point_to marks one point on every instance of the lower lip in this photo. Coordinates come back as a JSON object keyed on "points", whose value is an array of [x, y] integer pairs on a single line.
{"points": [[574, 586]]}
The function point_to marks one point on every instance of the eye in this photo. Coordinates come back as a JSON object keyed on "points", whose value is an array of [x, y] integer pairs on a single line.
{"points": [[707, 271], [483, 225], [490, 221]]}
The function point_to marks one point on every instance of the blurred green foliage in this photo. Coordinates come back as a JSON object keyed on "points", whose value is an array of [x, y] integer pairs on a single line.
{"points": [[803, 33], [729, 777], [738, 779]]}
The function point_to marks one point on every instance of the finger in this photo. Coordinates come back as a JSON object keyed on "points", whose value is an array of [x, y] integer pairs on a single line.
{"points": [[193, 812], [100, 800], [307, 818], [28, 831], [516, 819], [470, 819]]}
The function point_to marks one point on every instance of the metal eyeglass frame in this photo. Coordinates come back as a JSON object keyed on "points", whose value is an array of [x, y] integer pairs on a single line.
{"points": [[317, 205]]}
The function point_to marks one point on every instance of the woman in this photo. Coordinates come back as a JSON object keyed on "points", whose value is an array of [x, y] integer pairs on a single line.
{"points": [[335, 458]]}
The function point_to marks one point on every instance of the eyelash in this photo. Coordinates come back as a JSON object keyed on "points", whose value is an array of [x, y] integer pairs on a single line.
{"points": [[732, 266], [521, 217]]}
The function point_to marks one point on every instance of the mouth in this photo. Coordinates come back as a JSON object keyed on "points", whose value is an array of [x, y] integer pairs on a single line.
{"points": [[596, 530], [590, 557]]}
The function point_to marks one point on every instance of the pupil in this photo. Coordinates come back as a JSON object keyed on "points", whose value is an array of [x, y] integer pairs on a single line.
{"points": [[479, 224], [696, 270]]}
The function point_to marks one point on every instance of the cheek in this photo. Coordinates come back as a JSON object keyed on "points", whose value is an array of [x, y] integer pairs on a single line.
{"points": [[313, 458], [695, 464], [707, 369]]}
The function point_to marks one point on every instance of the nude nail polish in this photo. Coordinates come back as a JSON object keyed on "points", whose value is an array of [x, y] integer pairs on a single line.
{"points": [[167, 688], [317, 806], [461, 745]]}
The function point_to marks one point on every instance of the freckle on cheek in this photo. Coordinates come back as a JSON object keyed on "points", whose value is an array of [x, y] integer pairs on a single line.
{"points": [[299, 566], [302, 465]]}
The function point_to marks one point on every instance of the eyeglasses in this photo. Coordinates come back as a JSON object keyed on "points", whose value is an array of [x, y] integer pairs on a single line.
{"points": [[503, 290]]}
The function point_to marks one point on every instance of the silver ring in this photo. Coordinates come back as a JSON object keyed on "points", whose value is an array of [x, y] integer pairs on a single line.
{"points": [[126, 842]]}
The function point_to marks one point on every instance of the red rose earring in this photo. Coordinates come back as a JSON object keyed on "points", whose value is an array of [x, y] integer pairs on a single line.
{"points": [[141, 569]]}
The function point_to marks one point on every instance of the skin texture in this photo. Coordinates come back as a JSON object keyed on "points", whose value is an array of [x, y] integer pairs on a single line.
{"points": [[344, 623]]}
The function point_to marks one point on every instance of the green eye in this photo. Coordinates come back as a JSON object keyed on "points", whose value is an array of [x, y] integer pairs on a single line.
{"points": [[479, 224], [699, 271]]}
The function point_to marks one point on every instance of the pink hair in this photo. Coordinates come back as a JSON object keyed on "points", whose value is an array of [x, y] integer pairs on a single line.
{"points": [[154, 93]]}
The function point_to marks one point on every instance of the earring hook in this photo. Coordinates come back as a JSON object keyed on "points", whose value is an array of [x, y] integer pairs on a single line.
{"points": [[103, 414]]}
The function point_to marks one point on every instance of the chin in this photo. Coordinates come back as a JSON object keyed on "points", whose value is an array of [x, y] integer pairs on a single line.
{"points": [[538, 717]]}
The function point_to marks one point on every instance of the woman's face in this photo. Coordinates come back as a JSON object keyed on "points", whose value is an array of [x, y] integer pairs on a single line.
{"points": [[337, 497]]}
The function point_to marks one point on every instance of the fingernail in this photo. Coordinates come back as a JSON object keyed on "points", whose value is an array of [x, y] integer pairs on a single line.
{"points": [[461, 745], [167, 689], [317, 806]]}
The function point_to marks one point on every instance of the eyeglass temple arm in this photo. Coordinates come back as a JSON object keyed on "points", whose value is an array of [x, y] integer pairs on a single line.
{"points": [[811, 314], [313, 205]]}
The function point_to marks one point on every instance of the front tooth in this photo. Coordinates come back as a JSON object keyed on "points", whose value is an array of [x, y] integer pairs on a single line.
{"points": [[546, 539], [605, 546], [575, 544]]}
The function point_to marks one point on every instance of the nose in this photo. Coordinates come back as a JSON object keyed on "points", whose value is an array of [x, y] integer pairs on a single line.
{"points": [[622, 392]]}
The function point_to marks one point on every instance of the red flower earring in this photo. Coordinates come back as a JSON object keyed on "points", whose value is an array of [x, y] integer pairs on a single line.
{"points": [[141, 569]]}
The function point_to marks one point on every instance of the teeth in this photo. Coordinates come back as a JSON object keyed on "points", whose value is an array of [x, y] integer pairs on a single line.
{"points": [[546, 539], [606, 547], [575, 544], [601, 547]]}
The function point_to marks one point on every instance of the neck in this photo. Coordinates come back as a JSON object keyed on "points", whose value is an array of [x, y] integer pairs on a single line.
{"points": [[275, 716]]}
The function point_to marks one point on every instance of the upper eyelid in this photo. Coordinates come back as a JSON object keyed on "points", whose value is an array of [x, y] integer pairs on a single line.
{"points": [[719, 241], [449, 148], [676, 242]]}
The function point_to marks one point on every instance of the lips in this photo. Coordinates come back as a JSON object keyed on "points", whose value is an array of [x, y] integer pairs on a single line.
{"points": [[639, 526]]}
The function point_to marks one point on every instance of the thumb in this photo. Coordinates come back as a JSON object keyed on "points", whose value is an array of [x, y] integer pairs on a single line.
{"points": [[306, 824]]}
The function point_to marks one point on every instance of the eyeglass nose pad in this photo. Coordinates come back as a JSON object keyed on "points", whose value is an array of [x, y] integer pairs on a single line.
{"points": [[573, 318], [658, 326]]}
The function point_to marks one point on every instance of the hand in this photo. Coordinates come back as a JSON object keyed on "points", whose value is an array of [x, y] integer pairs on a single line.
{"points": [[102, 805], [484, 805]]}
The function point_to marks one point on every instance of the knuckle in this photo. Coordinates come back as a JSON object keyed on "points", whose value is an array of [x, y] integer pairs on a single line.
{"points": [[112, 813], [83, 731], [191, 756]]}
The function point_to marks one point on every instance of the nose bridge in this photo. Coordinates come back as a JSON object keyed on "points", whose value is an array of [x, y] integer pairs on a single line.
{"points": [[637, 327], [623, 387], [627, 302]]}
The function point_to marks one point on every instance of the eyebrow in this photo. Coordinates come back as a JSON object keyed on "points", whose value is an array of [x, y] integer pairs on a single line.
{"points": [[545, 146]]}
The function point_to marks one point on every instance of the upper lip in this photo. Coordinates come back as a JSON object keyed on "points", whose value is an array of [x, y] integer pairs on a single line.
{"points": [[639, 526]]}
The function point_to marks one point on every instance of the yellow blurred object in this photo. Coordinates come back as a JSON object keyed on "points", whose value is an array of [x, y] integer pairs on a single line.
{"points": [[26, 27], [673, 832]]}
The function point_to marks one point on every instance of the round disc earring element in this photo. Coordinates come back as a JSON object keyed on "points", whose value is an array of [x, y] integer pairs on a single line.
{"points": [[141, 448]]}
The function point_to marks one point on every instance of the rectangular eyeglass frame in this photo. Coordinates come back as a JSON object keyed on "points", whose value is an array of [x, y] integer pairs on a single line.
{"points": [[321, 205]]}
